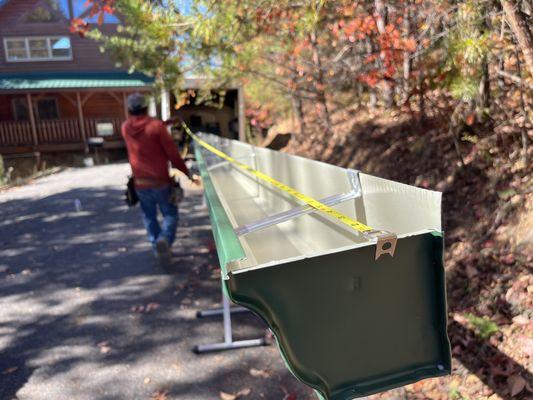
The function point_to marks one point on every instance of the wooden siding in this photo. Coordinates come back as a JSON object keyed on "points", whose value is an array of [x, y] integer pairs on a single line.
{"points": [[86, 55], [103, 105], [96, 104]]}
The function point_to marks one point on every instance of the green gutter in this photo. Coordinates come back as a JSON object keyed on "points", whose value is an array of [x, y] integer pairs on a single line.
{"points": [[229, 247]]}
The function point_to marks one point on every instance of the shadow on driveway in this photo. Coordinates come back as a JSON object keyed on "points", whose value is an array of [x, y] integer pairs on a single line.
{"points": [[85, 312]]}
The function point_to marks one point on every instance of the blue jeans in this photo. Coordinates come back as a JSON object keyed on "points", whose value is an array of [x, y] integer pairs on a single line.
{"points": [[150, 199]]}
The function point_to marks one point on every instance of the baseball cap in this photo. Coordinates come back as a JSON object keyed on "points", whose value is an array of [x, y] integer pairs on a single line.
{"points": [[136, 102]]}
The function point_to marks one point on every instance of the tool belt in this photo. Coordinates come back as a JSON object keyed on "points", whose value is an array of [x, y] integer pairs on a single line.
{"points": [[131, 198]]}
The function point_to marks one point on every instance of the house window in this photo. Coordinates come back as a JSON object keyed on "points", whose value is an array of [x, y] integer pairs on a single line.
{"points": [[16, 50], [38, 49], [45, 108], [20, 109]]}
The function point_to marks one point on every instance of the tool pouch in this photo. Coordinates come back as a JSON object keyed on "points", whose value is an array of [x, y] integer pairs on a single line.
{"points": [[130, 194]]}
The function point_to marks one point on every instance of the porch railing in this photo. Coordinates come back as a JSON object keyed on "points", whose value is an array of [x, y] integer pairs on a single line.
{"points": [[58, 131], [15, 133], [54, 131]]}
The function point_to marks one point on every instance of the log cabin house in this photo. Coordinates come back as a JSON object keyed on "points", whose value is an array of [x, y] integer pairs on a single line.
{"points": [[57, 90]]}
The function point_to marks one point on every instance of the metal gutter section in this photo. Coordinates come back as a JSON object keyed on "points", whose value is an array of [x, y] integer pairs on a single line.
{"points": [[347, 324]]}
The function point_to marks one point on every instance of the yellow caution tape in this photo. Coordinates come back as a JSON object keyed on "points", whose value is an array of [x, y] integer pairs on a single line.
{"points": [[352, 223]]}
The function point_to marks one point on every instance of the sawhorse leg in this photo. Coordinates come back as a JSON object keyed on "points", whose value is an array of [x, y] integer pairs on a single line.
{"points": [[228, 343]]}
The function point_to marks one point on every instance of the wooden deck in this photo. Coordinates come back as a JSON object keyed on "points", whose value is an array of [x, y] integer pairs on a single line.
{"points": [[55, 135]]}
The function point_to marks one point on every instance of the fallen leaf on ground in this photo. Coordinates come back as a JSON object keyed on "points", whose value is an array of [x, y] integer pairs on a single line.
{"points": [[521, 320], [259, 373], [146, 381], [104, 347], [460, 319], [151, 307], [509, 259], [145, 309], [137, 309], [527, 345], [516, 384], [10, 370], [470, 271], [241, 393], [244, 392], [160, 395], [227, 396]]}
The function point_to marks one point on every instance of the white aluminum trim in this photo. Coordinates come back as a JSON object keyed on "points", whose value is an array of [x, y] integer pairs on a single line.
{"points": [[322, 253]]}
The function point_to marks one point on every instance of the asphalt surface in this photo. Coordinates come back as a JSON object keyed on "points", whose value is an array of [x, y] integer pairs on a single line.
{"points": [[86, 312]]}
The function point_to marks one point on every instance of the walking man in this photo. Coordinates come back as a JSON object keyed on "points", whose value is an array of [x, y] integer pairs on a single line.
{"points": [[150, 149]]}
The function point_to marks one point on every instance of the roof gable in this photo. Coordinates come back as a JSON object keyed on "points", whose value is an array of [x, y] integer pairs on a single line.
{"points": [[45, 11], [17, 13]]}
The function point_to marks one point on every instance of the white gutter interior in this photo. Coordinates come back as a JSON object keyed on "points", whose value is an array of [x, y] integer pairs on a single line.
{"points": [[384, 205]]}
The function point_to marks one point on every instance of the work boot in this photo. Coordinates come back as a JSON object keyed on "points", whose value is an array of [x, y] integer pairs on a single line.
{"points": [[163, 250]]}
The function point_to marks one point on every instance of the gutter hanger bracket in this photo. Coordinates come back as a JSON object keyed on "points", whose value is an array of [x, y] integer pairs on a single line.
{"points": [[386, 244]]}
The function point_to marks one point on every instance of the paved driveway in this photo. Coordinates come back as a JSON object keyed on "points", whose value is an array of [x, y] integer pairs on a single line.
{"points": [[85, 313]]}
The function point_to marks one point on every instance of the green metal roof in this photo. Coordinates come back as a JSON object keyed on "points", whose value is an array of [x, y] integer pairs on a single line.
{"points": [[70, 80]]}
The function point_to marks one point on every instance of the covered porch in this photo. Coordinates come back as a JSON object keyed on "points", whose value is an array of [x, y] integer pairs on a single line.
{"points": [[52, 113]]}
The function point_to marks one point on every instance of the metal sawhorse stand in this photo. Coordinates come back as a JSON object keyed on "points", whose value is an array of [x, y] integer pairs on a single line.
{"points": [[226, 312], [228, 342]]}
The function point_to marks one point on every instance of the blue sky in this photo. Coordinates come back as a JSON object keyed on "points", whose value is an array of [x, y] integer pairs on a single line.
{"points": [[79, 7]]}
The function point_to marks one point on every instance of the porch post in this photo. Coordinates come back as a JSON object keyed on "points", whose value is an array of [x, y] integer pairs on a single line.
{"points": [[152, 107], [165, 105], [125, 105], [81, 122], [32, 120]]}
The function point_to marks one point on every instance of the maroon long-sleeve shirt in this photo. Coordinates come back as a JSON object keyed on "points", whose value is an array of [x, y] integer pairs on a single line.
{"points": [[150, 148]]}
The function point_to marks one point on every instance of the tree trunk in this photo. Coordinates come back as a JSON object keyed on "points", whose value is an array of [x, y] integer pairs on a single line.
{"points": [[483, 93], [407, 61], [524, 135], [501, 62], [453, 130], [297, 107], [519, 26], [373, 98], [381, 23], [321, 86], [421, 89]]}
